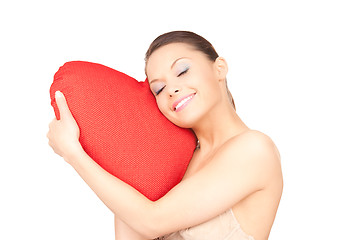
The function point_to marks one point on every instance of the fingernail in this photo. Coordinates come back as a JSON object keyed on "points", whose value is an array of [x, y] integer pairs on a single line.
{"points": [[58, 94]]}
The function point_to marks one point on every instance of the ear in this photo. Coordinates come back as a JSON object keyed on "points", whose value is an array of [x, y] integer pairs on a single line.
{"points": [[221, 68]]}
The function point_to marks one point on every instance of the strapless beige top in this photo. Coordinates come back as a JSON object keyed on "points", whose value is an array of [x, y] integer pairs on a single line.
{"points": [[223, 227]]}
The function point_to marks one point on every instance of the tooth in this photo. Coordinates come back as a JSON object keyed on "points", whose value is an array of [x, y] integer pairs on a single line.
{"points": [[183, 102]]}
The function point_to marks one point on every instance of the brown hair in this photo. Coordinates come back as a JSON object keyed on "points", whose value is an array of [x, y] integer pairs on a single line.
{"points": [[196, 41]]}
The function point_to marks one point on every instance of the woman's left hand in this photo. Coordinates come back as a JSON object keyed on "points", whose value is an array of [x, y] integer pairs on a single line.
{"points": [[63, 134]]}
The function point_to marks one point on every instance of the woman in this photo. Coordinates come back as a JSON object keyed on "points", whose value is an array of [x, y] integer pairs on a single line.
{"points": [[233, 184]]}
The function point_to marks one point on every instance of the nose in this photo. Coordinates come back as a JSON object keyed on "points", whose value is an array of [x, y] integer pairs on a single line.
{"points": [[174, 91]]}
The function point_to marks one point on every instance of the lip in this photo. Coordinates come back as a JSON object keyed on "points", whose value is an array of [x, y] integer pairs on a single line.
{"points": [[176, 103]]}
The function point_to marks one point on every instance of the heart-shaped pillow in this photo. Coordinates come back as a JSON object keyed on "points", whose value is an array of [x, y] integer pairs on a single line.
{"points": [[122, 129]]}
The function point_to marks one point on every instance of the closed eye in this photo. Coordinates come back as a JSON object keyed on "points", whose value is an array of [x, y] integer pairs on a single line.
{"points": [[183, 72], [160, 90]]}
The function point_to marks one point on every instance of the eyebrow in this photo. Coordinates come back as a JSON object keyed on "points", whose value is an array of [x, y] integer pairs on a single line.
{"points": [[172, 65]]}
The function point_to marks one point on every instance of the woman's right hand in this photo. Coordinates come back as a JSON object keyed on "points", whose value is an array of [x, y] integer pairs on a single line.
{"points": [[63, 134]]}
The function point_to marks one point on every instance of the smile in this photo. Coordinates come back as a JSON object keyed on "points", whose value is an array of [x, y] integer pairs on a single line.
{"points": [[182, 103]]}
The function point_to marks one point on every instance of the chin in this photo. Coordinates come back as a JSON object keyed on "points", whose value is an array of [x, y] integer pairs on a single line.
{"points": [[184, 125], [179, 123], [187, 118], [185, 121]]}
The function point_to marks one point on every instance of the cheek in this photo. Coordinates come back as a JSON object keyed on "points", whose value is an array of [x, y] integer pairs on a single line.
{"points": [[164, 109], [209, 87], [162, 105], [205, 78]]}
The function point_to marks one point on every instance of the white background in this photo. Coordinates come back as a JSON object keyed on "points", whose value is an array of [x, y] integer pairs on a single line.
{"points": [[293, 72]]}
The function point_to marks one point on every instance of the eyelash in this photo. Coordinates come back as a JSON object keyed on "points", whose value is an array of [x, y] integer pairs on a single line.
{"points": [[158, 92], [182, 73]]}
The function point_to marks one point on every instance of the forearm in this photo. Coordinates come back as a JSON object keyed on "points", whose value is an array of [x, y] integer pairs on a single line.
{"points": [[123, 200], [124, 232]]}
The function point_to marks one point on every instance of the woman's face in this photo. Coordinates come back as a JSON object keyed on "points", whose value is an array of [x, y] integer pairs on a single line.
{"points": [[185, 82]]}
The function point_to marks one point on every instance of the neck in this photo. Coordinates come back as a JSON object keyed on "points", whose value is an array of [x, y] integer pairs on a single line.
{"points": [[218, 126]]}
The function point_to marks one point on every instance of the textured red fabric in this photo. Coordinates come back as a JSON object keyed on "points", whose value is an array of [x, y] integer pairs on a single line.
{"points": [[122, 129]]}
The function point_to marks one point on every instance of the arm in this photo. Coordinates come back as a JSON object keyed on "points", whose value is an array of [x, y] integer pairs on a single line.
{"points": [[241, 167], [124, 232], [68, 138]]}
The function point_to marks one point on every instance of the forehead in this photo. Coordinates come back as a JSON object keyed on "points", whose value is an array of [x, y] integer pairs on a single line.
{"points": [[163, 57]]}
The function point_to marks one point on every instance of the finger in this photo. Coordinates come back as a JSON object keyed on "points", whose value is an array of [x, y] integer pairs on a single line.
{"points": [[50, 126], [62, 105], [53, 120]]}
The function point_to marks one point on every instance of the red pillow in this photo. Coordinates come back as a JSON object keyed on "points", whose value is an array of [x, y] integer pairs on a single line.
{"points": [[122, 129]]}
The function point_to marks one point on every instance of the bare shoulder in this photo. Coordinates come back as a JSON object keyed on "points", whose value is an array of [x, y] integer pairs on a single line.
{"points": [[252, 152], [254, 143]]}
